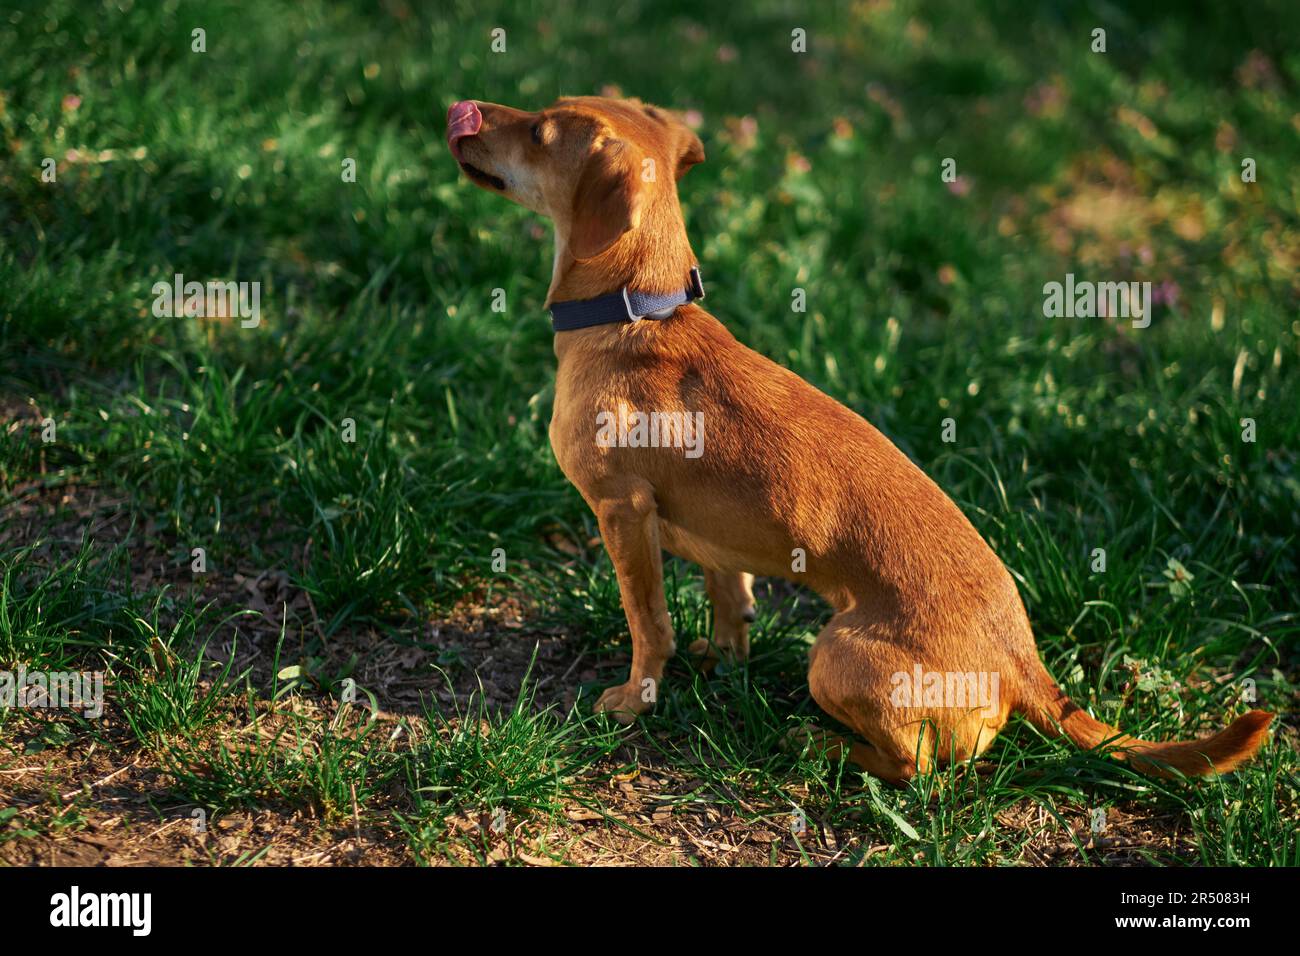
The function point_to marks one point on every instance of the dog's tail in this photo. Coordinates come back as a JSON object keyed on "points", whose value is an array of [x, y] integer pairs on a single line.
{"points": [[1048, 708]]}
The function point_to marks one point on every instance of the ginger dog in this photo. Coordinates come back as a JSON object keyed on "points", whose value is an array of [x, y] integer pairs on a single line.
{"points": [[915, 588]]}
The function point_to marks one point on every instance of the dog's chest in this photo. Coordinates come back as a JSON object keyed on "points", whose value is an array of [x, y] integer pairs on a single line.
{"points": [[606, 421]]}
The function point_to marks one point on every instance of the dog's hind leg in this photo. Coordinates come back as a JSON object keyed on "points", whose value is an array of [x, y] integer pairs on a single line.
{"points": [[732, 596], [866, 676], [866, 757], [851, 670]]}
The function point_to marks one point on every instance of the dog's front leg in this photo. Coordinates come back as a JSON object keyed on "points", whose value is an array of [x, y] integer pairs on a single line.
{"points": [[629, 525], [732, 596]]}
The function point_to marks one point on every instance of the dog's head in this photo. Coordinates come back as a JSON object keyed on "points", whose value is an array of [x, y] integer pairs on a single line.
{"points": [[590, 163]]}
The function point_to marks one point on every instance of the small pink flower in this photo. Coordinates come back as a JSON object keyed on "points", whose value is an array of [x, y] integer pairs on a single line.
{"points": [[694, 118], [1046, 98], [959, 186], [71, 102], [743, 131]]}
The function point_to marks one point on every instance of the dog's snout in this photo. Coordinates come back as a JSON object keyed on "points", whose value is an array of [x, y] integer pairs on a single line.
{"points": [[463, 119]]}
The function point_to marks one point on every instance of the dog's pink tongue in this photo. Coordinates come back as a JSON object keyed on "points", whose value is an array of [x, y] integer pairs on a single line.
{"points": [[463, 119]]}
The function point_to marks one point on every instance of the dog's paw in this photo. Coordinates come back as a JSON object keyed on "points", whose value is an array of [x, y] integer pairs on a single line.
{"points": [[707, 652], [710, 653], [624, 702]]}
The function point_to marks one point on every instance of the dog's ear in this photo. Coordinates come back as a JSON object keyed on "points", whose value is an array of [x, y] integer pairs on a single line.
{"points": [[607, 202], [686, 144], [690, 151]]}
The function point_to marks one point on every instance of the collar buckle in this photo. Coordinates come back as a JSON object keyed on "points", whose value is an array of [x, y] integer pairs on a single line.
{"points": [[697, 284]]}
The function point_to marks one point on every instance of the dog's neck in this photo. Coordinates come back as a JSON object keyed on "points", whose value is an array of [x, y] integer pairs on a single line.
{"points": [[654, 257]]}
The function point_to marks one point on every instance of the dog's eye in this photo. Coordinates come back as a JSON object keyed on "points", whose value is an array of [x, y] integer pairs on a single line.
{"points": [[537, 133]]}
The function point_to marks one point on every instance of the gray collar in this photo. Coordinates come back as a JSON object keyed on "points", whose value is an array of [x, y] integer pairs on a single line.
{"points": [[625, 305]]}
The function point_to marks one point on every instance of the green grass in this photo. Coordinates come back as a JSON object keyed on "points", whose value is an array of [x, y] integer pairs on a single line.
{"points": [[922, 305], [497, 769]]}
